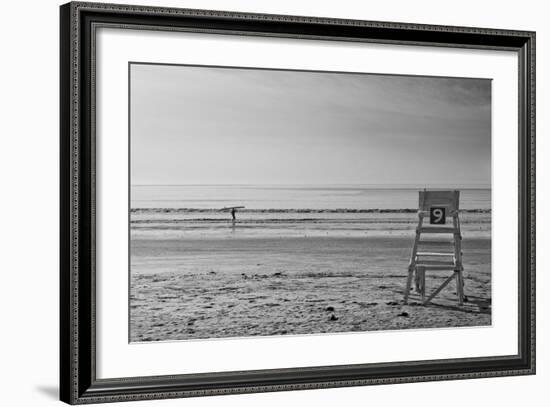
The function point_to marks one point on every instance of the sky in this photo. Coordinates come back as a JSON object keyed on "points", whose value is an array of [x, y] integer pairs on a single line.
{"points": [[210, 125]]}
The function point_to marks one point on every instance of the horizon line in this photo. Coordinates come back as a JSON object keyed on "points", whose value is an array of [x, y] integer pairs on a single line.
{"points": [[430, 185]]}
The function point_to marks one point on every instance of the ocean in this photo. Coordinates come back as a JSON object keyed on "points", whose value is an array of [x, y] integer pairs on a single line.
{"points": [[191, 211], [290, 197]]}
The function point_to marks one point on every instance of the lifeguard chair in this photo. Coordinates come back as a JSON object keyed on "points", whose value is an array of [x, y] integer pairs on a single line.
{"points": [[437, 252]]}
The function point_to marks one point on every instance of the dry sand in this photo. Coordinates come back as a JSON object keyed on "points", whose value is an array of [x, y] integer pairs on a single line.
{"points": [[213, 287]]}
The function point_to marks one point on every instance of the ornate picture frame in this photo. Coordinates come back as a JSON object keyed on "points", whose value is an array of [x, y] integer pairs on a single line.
{"points": [[79, 382]]}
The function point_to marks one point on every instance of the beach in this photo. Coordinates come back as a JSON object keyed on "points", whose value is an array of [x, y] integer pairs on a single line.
{"points": [[195, 274]]}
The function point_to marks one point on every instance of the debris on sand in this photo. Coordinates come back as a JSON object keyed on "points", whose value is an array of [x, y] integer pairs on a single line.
{"points": [[403, 314], [333, 318], [392, 303], [329, 308]]}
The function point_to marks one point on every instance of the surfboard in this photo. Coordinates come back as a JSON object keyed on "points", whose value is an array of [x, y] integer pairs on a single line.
{"points": [[227, 208]]}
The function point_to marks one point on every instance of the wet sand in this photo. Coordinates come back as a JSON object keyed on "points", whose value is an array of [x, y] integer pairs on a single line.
{"points": [[241, 285]]}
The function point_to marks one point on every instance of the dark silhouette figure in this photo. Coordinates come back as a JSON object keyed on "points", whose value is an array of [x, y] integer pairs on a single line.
{"points": [[233, 214]]}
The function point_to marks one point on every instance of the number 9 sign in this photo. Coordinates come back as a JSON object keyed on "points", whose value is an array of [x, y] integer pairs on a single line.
{"points": [[437, 216]]}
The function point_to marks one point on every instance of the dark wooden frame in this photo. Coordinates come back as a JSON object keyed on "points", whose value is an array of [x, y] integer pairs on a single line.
{"points": [[78, 382]]}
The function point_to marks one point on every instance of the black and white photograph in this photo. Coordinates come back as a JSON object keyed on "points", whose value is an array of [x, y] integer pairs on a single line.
{"points": [[234, 203], [270, 202]]}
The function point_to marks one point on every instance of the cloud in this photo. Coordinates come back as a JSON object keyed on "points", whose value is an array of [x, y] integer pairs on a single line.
{"points": [[220, 125]]}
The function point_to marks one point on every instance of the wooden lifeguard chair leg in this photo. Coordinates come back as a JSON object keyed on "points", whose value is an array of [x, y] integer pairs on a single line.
{"points": [[421, 281], [458, 260], [460, 286], [412, 263], [409, 284], [457, 272]]}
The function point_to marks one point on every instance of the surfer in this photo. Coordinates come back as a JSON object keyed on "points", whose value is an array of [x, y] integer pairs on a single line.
{"points": [[233, 210]]}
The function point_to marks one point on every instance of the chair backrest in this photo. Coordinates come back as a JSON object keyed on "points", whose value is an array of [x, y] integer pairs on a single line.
{"points": [[438, 198]]}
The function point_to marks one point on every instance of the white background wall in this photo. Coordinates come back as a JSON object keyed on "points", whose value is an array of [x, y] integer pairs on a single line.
{"points": [[29, 163]]}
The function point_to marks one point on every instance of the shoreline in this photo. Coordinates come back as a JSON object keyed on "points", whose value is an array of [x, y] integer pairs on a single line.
{"points": [[184, 225]]}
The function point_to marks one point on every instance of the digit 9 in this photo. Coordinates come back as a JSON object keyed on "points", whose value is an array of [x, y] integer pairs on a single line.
{"points": [[438, 215]]}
